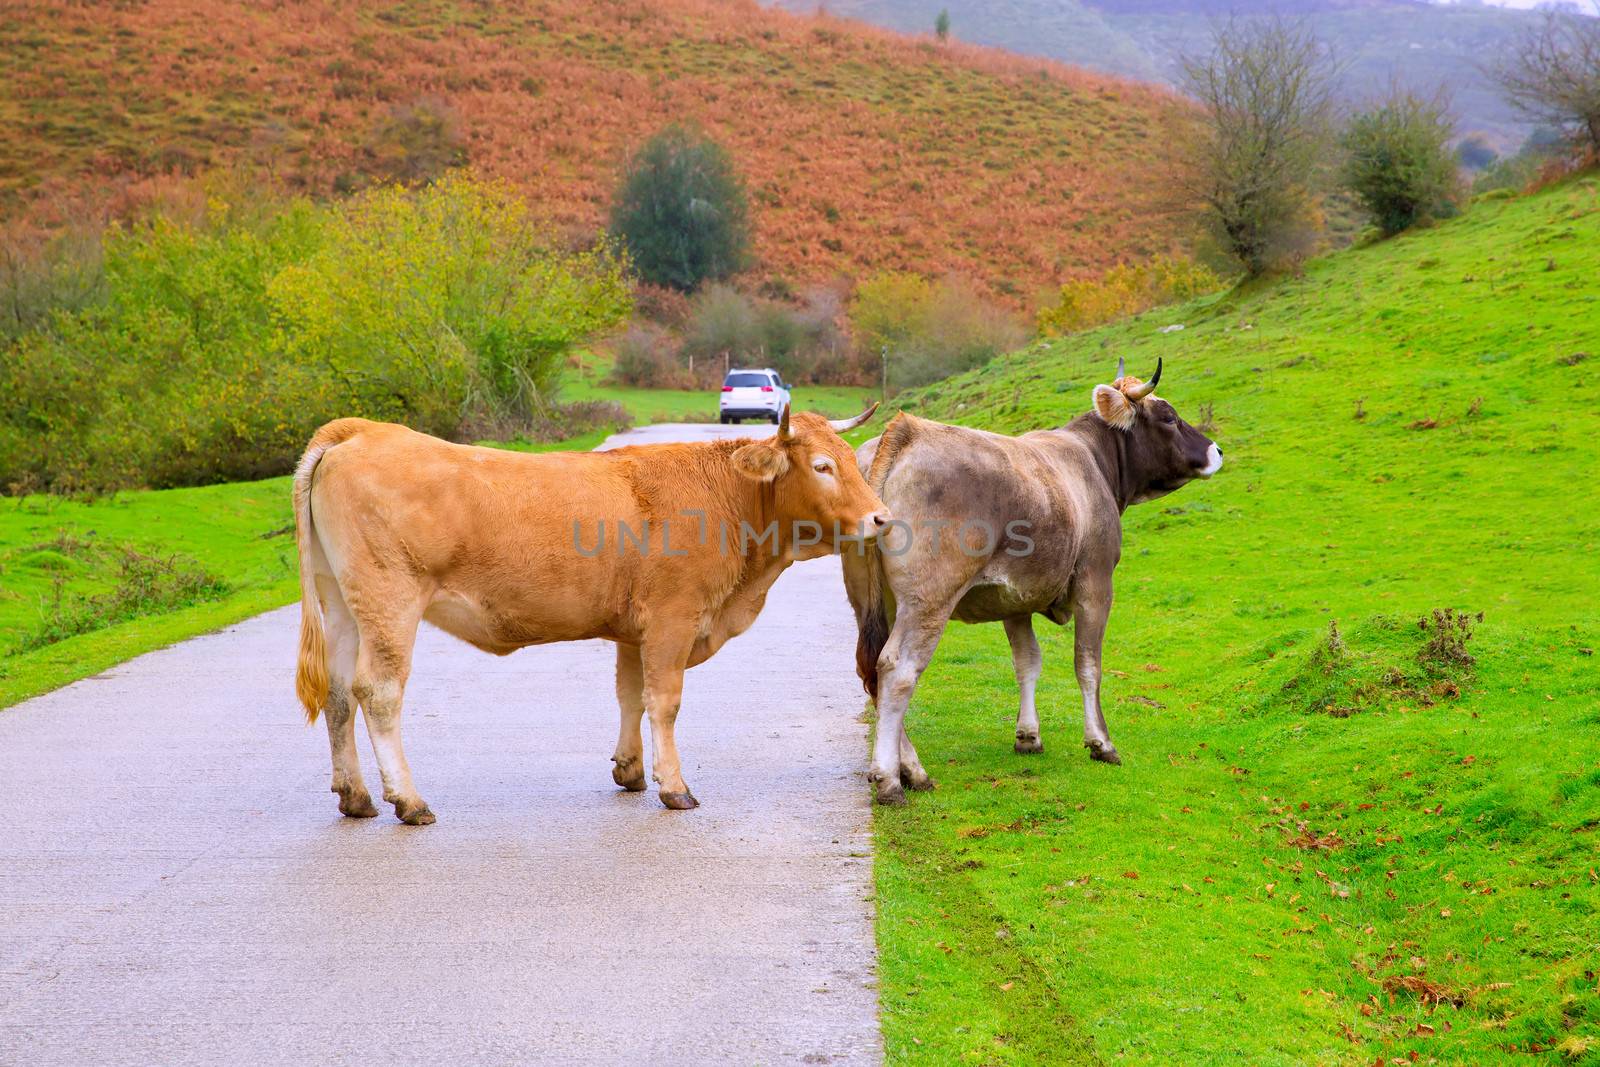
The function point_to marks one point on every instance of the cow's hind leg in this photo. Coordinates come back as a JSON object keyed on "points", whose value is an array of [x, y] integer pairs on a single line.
{"points": [[912, 776], [629, 756], [1091, 606], [664, 661], [1027, 660], [916, 633], [343, 640], [382, 666]]}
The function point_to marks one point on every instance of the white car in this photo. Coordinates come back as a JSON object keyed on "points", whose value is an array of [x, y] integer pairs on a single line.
{"points": [[753, 394]]}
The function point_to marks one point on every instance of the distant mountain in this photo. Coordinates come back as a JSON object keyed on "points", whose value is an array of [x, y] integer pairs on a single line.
{"points": [[1423, 45]]}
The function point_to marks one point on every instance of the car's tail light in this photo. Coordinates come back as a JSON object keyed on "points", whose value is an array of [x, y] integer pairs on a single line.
{"points": [[766, 388], [727, 388]]}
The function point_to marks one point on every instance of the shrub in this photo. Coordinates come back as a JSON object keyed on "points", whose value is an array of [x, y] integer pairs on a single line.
{"points": [[41, 275], [930, 330], [647, 358], [417, 142], [727, 327], [681, 212], [1266, 97], [445, 299], [1126, 289], [1397, 160], [220, 345]]}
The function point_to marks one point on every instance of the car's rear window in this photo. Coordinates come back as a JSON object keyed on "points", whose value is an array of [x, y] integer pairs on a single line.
{"points": [[747, 380]]}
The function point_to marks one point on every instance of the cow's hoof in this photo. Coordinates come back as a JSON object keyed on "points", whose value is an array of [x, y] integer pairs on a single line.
{"points": [[890, 794], [1028, 745], [1103, 752], [413, 813], [679, 801], [631, 784], [912, 780], [357, 805]]}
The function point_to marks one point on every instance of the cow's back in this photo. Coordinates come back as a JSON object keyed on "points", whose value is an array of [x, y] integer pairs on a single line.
{"points": [[508, 540], [1034, 497]]}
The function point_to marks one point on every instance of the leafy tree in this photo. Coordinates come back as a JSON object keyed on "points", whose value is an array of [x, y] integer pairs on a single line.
{"points": [[1266, 96], [681, 211], [1552, 74], [1398, 162], [941, 24]]}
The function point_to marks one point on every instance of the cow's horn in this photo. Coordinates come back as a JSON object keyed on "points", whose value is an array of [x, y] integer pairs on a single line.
{"points": [[841, 425], [1139, 392], [783, 424], [1122, 369]]}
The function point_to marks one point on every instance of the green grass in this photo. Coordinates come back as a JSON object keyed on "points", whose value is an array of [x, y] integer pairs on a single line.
{"points": [[590, 381], [61, 558], [137, 571], [1309, 839]]}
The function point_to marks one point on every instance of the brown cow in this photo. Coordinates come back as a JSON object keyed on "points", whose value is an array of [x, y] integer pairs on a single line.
{"points": [[504, 550], [991, 528]]}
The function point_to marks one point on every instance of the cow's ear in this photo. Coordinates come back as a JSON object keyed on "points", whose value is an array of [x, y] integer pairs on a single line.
{"points": [[761, 461], [1113, 408]]}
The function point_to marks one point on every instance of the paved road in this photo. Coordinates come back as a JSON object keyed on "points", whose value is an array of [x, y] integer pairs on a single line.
{"points": [[177, 887]]}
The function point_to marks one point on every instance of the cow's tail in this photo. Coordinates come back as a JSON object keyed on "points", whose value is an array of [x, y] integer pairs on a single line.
{"points": [[863, 581], [864, 578], [311, 672]]}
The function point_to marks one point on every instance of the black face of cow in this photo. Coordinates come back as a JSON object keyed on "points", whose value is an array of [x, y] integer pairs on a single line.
{"points": [[1163, 452]]}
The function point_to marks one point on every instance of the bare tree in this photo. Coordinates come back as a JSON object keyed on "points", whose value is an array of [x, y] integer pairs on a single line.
{"points": [[1266, 96], [1552, 74]]}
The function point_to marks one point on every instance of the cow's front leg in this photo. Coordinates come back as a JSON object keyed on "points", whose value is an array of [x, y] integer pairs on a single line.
{"points": [[629, 756], [1027, 661], [1091, 607], [905, 656], [664, 659]]}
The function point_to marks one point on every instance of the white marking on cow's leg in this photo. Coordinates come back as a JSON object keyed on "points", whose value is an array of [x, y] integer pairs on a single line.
{"points": [[904, 657], [663, 661], [629, 756], [382, 666], [1027, 660], [1091, 607], [343, 640]]}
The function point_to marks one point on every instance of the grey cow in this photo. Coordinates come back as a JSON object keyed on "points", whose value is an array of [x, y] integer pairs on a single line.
{"points": [[989, 528]]}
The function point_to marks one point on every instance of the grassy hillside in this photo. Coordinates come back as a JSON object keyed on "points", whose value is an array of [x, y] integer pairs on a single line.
{"points": [[1329, 843], [1423, 44], [862, 150]]}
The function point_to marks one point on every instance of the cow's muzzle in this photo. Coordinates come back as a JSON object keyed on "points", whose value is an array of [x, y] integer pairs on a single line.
{"points": [[1213, 462], [874, 524]]}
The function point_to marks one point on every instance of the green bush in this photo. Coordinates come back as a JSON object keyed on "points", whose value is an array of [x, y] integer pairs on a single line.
{"points": [[1398, 162], [219, 346], [681, 211], [930, 330]]}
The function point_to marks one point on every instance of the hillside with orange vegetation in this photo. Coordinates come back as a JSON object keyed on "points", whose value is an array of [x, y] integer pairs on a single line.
{"points": [[862, 149]]}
